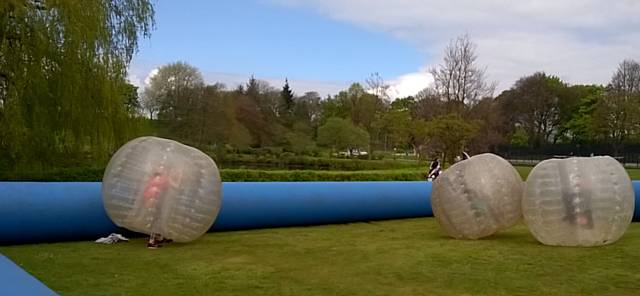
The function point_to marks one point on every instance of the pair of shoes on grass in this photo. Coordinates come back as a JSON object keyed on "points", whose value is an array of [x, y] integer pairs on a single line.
{"points": [[157, 244]]}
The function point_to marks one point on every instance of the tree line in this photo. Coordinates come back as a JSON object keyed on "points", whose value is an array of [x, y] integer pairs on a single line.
{"points": [[459, 112], [64, 98]]}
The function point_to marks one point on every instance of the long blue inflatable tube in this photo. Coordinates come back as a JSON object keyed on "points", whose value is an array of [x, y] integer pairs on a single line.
{"points": [[32, 212]]}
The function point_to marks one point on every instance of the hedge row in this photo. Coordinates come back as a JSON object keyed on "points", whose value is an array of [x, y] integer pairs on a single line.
{"points": [[55, 175], [230, 175], [314, 163]]}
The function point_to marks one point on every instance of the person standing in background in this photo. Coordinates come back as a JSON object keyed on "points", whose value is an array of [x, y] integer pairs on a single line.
{"points": [[434, 170]]}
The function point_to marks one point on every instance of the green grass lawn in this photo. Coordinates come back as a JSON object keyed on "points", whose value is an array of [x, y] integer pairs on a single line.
{"points": [[401, 257]]}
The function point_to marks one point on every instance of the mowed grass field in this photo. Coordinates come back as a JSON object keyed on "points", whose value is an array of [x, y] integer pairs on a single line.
{"points": [[399, 257]]}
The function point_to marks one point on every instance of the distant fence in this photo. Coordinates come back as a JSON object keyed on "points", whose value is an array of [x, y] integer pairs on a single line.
{"points": [[628, 154], [627, 160]]}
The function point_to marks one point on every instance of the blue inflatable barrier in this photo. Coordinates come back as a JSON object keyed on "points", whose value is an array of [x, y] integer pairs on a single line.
{"points": [[272, 204], [15, 281], [32, 212], [636, 190]]}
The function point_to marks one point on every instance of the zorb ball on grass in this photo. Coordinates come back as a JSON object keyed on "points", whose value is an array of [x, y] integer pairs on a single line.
{"points": [[155, 185], [477, 197], [579, 201]]}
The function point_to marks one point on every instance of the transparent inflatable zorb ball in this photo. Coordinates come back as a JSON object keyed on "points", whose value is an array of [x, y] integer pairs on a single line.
{"points": [[579, 201], [155, 185], [477, 197]]}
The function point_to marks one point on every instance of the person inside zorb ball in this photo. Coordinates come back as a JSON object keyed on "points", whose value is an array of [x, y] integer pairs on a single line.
{"points": [[162, 188], [477, 197], [579, 201]]}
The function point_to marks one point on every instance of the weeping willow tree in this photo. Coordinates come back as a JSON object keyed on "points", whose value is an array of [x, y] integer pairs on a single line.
{"points": [[62, 74]]}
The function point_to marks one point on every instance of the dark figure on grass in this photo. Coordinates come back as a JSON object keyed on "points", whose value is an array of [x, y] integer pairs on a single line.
{"points": [[155, 193], [577, 206], [578, 211], [434, 170]]}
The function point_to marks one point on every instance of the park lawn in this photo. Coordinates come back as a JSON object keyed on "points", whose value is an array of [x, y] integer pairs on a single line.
{"points": [[399, 257]]}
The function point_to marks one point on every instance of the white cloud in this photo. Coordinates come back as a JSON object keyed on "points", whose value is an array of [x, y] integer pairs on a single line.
{"points": [[581, 41], [152, 73], [134, 79], [139, 73], [410, 84]]}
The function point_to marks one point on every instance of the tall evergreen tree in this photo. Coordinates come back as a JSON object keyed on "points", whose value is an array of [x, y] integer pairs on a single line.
{"points": [[286, 95]]}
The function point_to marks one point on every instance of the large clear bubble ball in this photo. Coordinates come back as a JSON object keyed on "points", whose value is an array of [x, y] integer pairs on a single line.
{"points": [[155, 185], [579, 201], [477, 197]]}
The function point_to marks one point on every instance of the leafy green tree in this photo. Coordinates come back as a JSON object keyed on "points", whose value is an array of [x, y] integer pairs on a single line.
{"points": [[131, 99], [62, 71], [174, 87], [177, 89], [363, 107], [365, 110], [581, 125], [520, 138], [492, 127], [239, 136], [257, 109], [394, 125], [616, 115], [212, 118], [333, 107], [533, 104], [299, 142], [616, 119], [427, 105], [452, 132], [249, 116], [338, 133], [403, 104], [307, 113]]}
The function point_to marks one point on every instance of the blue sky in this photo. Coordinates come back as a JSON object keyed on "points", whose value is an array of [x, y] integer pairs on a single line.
{"points": [[239, 38], [324, 45]]}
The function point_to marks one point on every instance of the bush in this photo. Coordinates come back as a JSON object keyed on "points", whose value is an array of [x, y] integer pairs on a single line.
{"points": [[56, 175], [288, 161], [240, 175], [229, 175]]}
